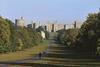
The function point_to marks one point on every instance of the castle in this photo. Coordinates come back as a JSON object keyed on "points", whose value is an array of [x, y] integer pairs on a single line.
{"points": [[49, 26]]}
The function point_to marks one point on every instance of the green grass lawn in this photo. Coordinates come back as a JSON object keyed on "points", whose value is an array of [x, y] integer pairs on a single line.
{"points": [[27, 53]]}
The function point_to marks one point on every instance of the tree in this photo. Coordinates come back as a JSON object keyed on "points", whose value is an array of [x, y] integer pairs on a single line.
{"points": [[40, 28], [13, 39], [4, 35], [68, 37], [89, 33], [12, 36]]}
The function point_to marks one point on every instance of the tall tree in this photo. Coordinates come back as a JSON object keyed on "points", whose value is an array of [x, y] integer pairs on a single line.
{"points": [[4, 35], [89, 34]]}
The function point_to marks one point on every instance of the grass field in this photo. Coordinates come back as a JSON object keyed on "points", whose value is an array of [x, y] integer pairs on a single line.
{"points": [[27, 53]]}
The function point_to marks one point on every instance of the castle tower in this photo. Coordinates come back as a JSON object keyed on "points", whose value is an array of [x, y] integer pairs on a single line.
{"points": [[75, 24], [20, 22]]}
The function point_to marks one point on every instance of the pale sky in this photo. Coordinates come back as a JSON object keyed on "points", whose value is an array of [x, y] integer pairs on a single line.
{"points": [[65, 11]]}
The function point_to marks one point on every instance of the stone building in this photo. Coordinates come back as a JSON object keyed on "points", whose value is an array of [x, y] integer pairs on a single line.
{"points": [[53, 27], [77, 24], [20, 22], [49, 27], [68, 26], [33, 25]]}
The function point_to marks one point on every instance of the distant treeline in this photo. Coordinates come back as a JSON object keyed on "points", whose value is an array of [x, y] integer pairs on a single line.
{"points": [[86, 39]]}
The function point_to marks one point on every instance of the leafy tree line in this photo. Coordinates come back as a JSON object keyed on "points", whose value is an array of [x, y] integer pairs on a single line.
{"points": [[13, 39], [67, 37], [85, 39]]}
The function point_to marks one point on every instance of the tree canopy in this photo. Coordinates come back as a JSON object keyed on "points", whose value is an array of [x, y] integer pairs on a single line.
{"points": [[16, 38]]}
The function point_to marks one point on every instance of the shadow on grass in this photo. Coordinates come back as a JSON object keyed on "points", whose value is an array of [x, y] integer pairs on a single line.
{"points": [[30, 64], [62, 52], [70, 56]]}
